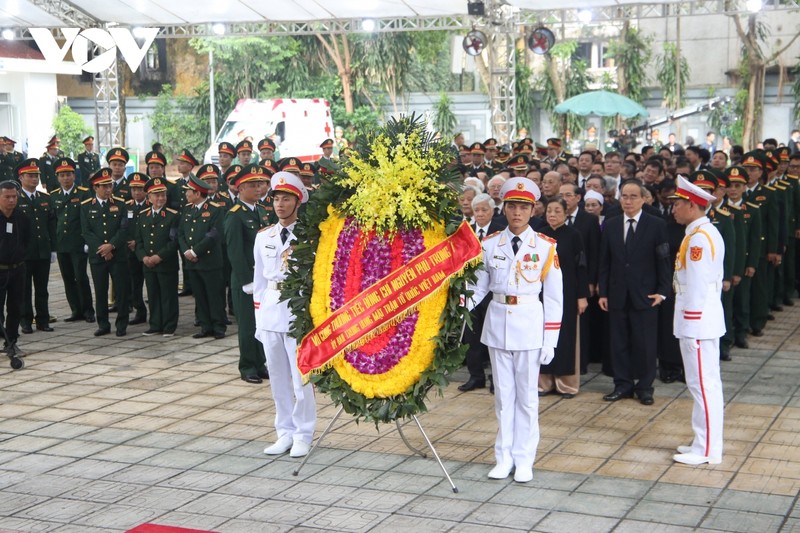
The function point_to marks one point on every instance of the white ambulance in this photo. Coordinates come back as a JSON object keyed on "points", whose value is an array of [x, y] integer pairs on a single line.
{"points": [[297, 126]]}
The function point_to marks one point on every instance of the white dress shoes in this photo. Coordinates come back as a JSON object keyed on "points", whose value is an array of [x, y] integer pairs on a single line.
{"points": [[299, 449], [523, 475], [283, 445], [684, 449], [695, 459], [500, 471]]}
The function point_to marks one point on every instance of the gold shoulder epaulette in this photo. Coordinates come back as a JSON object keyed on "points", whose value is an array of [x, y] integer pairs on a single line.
{"points": [[82, 188], [492, 235], [53, 191], [216, 204], [731, 206], [792, 177], [724, 212], [117, 198], [780, 186], [224, 194], [751, 204], [46, 193], [235, 208], [129, 202], [171, 210], [769, 188], [87, 201], [545, 238]]}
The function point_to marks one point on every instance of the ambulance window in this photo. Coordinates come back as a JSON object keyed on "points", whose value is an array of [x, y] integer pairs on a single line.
{"points": [[280, 130]]}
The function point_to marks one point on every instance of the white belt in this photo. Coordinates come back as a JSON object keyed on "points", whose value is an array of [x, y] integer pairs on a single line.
{"points": [[681, 288], [515, 300], [275, 285]]}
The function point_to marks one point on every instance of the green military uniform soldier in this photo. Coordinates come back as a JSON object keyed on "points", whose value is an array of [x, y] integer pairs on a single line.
{"points": [[200, 242], [242, 223], [135, 206], [88, 160], [41, 249], [265, 200], [105, 227], [244, 152], [117, 159], [156, 237], [227, 153], [14, 157], [756, 193], [47, 164], [176, 199], [749, 224], [722, 219], [70, 252], [211, 175], [792, 177], [7, 163]]}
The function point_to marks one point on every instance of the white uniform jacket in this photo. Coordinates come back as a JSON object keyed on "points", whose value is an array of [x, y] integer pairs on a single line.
{"points": [[698, 283], [271, 259], [516, 319]]}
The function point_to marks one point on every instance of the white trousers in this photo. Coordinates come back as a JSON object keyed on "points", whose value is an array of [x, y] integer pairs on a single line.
{"points": [[295, 407], [701, 366], [516, 404]]}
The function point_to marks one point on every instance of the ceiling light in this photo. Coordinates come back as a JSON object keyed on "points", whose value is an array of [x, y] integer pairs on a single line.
{"points": [[218, 29], [368, 25], [8, 34], [754, 6], [585, 16]]}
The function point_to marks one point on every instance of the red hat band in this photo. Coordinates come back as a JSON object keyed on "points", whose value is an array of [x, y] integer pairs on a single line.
{"points": [[692, 197]]}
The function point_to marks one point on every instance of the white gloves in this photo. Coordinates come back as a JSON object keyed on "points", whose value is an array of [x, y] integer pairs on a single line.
{"points": [[86, 248], [52, 257], [546, 355], [248, 289]]}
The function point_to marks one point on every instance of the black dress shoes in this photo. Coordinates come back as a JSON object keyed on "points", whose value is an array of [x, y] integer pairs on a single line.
{"points": [[44, 328], [112, 309], [228, 321], [137, 320], [90, 319], [201, 335], [491, 384], [567, 395], [73, 318], [121, 333], [788, 302], [102, 331], [646, 398], [185, 292], [617, 395], [724, 355], [27, 328], [757, 333], [219, 336], [263, 374], [472, 384], [252, 379], [151, 332], [741, 343], [777, 308]]}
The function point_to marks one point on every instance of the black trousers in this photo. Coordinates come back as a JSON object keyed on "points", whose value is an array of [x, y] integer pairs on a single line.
{"points": [[669, 349], [12, 287], [136, 270], [209, 299], [37, 274], [477, 353], [118, 272], [634, 339], [76, 283], [162, 297]]}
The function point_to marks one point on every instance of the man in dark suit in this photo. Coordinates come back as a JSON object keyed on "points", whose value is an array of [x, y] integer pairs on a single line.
{"points": [[633, 280]]}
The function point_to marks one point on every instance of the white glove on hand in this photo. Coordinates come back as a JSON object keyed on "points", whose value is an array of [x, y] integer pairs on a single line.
{"points": [[86, 248], [546, 355], [52, 257], [248, 289]]}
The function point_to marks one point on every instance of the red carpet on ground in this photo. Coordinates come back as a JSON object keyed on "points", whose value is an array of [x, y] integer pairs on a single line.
{"points": [[155, 528]]}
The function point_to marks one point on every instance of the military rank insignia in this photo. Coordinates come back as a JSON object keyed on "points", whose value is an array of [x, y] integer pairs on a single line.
{"points": [[696, 253]]}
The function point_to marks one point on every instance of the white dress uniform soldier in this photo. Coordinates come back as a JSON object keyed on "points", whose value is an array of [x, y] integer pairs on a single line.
{"points": [[520, 330], [295, 407], [699, 321]]}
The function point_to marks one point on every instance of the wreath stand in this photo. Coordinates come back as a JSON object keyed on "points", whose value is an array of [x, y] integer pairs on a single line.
{"points": [[402, 436]]}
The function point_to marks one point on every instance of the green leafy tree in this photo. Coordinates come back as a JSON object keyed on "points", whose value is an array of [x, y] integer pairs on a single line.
{"points": [[796, 93], [178, 123], [673, 78], [563, 78], [71, 129], [632, 54], [523, 92], [444, 121], [385, 61]]}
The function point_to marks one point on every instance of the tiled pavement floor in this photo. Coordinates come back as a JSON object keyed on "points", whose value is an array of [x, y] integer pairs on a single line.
{"points": [[102, 434]]}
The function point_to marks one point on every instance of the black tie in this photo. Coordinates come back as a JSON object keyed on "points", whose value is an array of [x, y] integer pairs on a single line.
{"points": [[629, 237], [746, 195], [515, 244], [480, 234], [569, 220], [284, 235]]}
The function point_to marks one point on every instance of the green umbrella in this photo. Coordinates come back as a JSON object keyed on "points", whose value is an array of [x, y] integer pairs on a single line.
{"points": [[602, 103]]}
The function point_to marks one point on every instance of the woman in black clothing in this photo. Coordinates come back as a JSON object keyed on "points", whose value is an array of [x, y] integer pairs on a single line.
{"points": [[562, 375]]}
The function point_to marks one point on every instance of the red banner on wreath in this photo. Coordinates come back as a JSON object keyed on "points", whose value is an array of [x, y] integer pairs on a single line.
{"points": [[388, 298]]}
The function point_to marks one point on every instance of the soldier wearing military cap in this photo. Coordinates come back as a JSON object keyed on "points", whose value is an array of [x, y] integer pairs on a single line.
{"points": [[244, 151], [490, 157], [755, 165], [228, 177], [291, 165], [38, 207], [778, 160], [791, 176], [295, 406], [266, 148], [307, 175], [265, 198], [464, 155], [519, 165], [211, 175], [476, 166], [747, 223], [156, 237], [46, 162], [7, 165], [88, 160], [327, 150], [117, 159], [135, 207], [105, 226], [176, 195], [200, 241], [241, 225], [722, 219], [227, 153], [553, 150], [72, 258], [14, 157]]}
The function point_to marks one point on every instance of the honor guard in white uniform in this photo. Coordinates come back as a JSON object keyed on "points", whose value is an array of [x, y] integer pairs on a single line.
{"points": [[295, 407], [699, 321], [520, 330]]}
